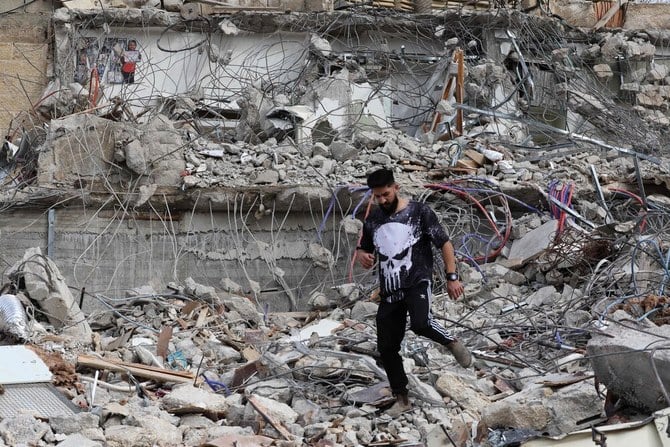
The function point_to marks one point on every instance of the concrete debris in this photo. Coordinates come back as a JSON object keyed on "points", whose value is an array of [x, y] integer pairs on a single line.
{"points": [[629, 358], [546, 409], [45, 286], [200, 205]]}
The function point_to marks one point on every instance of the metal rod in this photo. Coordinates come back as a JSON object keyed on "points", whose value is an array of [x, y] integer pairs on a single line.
{"points": [[571, 212], [640, 183], [599, 193], [51, 233], [568, 134]]}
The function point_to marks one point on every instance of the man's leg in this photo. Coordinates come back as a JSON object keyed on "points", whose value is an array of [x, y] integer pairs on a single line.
{"points": [[418, 300], [391, 322]]}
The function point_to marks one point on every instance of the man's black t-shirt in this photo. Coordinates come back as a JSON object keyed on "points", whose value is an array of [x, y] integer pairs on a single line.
{"points": [[402, 242]]}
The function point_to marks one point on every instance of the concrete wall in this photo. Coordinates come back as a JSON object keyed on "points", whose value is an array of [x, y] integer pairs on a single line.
{"points": [[23, 60], [108, 254], [222, 67]]}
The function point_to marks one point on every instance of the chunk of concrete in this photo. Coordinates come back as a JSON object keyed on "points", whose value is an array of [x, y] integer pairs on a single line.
{"points": [[534, 242], [280, 412], [243, 306], [46, 285], [23, 430], [268, 177], [543, 296], [546, 409], [633, 362], [603, 71], [189, 399], [78, 440], [342, 151], [462, 390]]}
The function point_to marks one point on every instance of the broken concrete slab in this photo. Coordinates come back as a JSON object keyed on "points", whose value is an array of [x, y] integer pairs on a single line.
{"points": [[46, 285], [554, 410], [631, 359], [189, 399], [534, 242], [650, 433], [463, 391]]}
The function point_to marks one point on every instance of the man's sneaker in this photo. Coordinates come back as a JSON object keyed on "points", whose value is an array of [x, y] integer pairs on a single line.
{"points": [[460, 353], [400, 406]]}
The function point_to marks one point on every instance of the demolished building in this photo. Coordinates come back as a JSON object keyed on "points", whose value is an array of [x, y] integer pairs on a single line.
{"points": [[179, 219]]}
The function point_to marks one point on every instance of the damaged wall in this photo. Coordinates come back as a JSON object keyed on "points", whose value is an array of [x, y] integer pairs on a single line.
{"points": [[374, 77], [24, 50], [109, 252], [204, 139]]}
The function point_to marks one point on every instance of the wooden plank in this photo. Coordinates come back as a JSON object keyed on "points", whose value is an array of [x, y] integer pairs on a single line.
{"points": [[202, 317], [243, 373], [184, 325], [413, 168], [147, 372], [609, 14], [268, 417], [560, 382], [120, 341], [189, 307], [296, 315], [139, 366], [447, 94], [468, 164], [163, 341], [500, 396], [475, 156], [459, 92]]}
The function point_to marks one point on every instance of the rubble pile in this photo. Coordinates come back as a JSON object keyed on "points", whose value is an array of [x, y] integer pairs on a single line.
{"points": [[192, 365], [562, 248]]}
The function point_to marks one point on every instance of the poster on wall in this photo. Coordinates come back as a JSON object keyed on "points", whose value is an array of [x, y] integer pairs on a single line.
{"points": [[112, 60]]}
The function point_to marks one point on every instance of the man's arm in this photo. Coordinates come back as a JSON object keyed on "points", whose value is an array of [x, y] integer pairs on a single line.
{"points": [[364, 251], [366, 259], [454, 286]]}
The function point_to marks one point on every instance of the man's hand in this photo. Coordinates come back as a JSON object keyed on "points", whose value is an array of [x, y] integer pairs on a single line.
{"points": [[367, 260], [454, 289]]}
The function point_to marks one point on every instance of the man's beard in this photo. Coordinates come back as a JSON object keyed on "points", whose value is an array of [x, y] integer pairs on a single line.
{"points": [[389, 208]]}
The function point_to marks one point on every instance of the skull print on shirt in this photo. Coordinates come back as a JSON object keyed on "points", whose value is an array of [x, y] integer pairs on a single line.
{"points": [[394, 243], [402, 243]]}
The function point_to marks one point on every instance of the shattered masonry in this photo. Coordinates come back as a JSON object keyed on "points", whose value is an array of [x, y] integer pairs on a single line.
{"points": [[182, 193]]}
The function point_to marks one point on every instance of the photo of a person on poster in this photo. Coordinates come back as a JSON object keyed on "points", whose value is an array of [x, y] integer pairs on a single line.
{"points": [[129, 59]]}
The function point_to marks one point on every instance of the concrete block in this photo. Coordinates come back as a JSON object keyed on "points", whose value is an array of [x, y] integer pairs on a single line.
{"points": [[31, 71], [534, 242], [554, 410], [627, 361]]}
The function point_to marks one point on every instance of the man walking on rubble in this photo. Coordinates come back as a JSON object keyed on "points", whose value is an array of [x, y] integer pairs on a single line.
{"points": [[400, 232]]}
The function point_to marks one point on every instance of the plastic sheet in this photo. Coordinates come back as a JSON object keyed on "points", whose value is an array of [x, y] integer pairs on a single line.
{"points": [[13, 319]]}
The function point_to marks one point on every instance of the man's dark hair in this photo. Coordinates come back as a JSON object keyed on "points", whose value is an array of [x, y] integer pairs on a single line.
{"points": [[381, 177]]}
